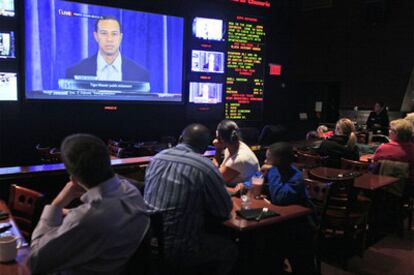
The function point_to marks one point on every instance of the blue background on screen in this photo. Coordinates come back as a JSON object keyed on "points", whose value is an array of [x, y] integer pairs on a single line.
{"points": [[55, 43]]}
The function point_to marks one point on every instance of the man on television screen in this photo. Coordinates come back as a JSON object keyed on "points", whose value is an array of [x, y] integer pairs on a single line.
{"points": [[108, 64]]}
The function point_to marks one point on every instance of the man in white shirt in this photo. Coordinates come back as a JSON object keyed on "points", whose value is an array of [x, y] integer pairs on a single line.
{"points": [[100, 235]]}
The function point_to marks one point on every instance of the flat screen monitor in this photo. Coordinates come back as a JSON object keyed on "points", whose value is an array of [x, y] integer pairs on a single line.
{"points": [[7, 8], [208, 29], [207, 61], [205, 93], [8, 86], [7, 45], [77, 51]]}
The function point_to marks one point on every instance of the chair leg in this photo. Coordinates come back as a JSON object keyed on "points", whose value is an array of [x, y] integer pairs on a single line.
{"points": [[410, 213]]}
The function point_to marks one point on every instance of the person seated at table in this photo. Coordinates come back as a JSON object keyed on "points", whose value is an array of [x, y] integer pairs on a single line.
{"points": [[286, 187], [100, 235], [285, 181], [188, 192], [410, 118], [378, 119], [324, 132], [342, 144], [400, 148], [239, 163]]}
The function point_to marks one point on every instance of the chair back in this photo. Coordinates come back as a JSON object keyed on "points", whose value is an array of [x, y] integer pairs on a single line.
{"points": [[318, 193], [25, 205], [310, 160], [341, 198], [354, 165], [395, 169]]}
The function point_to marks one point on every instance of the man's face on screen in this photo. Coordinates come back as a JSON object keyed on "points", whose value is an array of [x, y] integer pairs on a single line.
{"points": [[108, 36]]}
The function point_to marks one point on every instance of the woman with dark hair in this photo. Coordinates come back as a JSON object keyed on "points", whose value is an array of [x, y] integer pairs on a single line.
{"points": [[239, 163], [378, 119]]}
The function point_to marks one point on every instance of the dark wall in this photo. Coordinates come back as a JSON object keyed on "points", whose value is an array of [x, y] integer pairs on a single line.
{"points": [[365, 45]]}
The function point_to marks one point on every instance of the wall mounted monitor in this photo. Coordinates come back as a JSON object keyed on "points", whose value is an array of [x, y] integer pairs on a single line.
{"points": [[7, 8], [77, 51], [7, 49], [208, 29], [205, 93], [8, 86], [207, 61]]}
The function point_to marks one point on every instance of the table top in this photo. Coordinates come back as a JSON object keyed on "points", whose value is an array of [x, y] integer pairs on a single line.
{"points": [[365, 181], [286, 213], [366, 158], [18, 266]]}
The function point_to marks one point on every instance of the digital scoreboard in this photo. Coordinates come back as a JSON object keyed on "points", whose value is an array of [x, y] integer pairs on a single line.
{"points": [[244, 69], [227, 67]]}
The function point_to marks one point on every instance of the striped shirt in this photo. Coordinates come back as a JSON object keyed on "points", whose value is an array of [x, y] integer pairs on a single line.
{"points": [[186, 188]]}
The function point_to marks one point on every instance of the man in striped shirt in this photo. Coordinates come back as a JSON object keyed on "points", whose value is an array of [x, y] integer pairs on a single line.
{"points": [[188, 192]]}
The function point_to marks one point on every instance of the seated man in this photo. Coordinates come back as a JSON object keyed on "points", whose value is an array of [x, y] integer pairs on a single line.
{"points": [[285, 181], [98, 236], [188, 192]]}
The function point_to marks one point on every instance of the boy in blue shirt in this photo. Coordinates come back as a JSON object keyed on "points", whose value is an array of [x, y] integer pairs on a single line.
{"points": [[285, 181], [286, 186]]}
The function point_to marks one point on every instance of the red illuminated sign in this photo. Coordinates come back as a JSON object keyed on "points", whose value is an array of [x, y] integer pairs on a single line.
{"points": [[275, 69], [264, 4], [110, 108]]}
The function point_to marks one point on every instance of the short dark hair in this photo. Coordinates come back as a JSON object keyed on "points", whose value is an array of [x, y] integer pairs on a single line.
{"points": [[197, 136], [283, 151], [228, 131], [107, 17], [86, 157]]}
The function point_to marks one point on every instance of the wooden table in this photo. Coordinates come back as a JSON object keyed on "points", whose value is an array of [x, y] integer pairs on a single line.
{"points": [[286, 213], [365, 181], [366, 158], [18, 266]]}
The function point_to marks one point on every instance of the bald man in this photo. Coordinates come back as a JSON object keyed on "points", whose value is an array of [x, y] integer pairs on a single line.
{"points": [[188, 192]]}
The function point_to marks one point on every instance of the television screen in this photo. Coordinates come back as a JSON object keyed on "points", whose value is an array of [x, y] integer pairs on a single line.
{"points": [[207, 61], [6, 7], [208, 29], [205, 93], [7, 45], [8, 86], [78, 51]]}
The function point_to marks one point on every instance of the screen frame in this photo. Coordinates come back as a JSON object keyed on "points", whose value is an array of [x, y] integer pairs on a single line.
{"points": [[101, 102]]}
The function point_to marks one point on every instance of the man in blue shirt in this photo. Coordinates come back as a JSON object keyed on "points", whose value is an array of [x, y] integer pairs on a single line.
{"points": [[188, 191], [98, 236]]}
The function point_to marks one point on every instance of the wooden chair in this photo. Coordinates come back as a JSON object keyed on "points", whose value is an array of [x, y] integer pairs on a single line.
{"points": [[354, 165], [343, 226], [402, 197], [318, 192], [310, 160], [25, 205]]}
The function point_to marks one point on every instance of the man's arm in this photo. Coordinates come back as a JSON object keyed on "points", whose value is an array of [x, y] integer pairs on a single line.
{"points": [[59, 245], [216, 197]]}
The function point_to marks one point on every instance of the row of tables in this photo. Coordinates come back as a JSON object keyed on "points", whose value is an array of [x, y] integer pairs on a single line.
{"points": [[235, 223]]}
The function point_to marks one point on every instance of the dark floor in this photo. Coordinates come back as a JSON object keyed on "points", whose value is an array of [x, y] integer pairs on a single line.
{"points": [[390, 255]]}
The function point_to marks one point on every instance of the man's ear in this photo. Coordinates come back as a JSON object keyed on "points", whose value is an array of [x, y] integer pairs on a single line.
{"points": [[95, 35]]}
